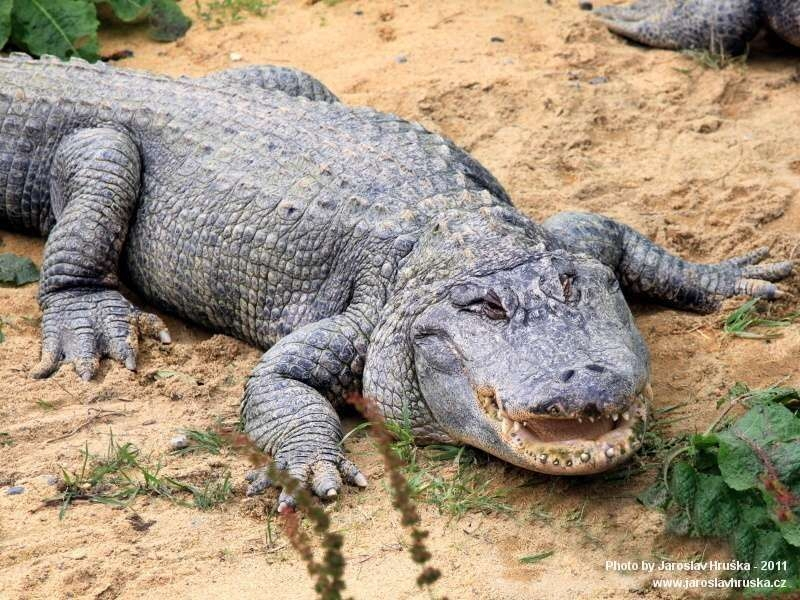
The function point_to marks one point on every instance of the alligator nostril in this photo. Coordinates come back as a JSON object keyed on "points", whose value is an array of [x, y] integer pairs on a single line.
{"points": [[567, 375], [596, 368]]}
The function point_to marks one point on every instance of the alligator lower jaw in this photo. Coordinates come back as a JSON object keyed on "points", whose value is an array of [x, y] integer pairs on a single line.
{"points": [[565, 446]]}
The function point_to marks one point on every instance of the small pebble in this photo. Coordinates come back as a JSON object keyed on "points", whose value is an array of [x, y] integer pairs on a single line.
{"points": [[235, 57], [598, 80], [401, 59], [15, 490], [179, 442], [358, 12], [496, 39], [585, 6], [52, 479]]}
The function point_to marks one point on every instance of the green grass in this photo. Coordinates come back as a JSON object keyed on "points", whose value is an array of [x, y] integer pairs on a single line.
{"points": [[121, 475], [213, 493], [715, 61], [217, 13], [467, 490], [535, 558], [210, 441], [749, 315], [6, 439]]}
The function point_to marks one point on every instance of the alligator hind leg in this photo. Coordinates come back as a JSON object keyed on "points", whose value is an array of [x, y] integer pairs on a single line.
{"points": [[93, 193], [266, 77], [783, 16], [649, 270], [719, 26]]}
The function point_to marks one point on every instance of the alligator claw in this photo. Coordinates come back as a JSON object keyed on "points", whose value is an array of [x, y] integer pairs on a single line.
{"points": [[83, 326], [324, 476]]}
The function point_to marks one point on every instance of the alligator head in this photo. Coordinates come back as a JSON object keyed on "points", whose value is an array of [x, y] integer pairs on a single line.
{"points": [[527, 353]]}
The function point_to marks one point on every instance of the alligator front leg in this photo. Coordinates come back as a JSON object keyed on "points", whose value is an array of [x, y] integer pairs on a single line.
{"points": [[649, 270], [287, 414], [719, 26], [93, 192]]}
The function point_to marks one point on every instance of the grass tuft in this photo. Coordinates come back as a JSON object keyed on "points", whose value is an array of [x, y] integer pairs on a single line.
{"points": [[122, 474], [750, 314], [218, 13], [535, 558]]}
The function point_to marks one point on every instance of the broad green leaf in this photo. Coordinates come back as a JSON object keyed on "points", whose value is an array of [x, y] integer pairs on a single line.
{"points": [[683, 483], [714, 512], [656, 496], [167, 21], [5, 21], [17, 270], [61, 27], [679, 523], [762, 450], [129, 11]]}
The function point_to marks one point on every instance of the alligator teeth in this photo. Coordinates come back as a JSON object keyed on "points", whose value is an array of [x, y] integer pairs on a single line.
{"points": [[648, 392], [516, 427], [580, 420], [569, 463], [555, 461], [626, 416], [585, 457], [609, 452], [591, 419], [615, 417], [508, 424], [543, 458]]}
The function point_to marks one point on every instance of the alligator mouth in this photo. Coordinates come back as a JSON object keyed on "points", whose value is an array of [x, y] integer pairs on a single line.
{"points": [[575, 445]]}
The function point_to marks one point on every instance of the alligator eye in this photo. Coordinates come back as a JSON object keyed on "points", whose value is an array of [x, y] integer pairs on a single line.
{"points": [[493, 306], [570, 293]]}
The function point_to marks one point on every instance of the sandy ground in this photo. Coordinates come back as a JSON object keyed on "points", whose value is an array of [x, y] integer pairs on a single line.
{"points": [[567, 117]]}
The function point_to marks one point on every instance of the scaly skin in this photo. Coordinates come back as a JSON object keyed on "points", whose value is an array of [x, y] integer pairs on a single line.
{"points": [[363, 253], [719, 26]]}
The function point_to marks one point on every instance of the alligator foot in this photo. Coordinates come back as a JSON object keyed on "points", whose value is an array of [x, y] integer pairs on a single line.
{"points": [[325, 476], [82, 326], [719, 26]]}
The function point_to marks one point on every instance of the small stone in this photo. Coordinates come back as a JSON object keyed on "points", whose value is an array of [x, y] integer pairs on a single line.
{"points": [[52, 479], [15, 490], [179, 442], [77, 554], [358, 12], [496, 39], [402, 58], [598, 80], [235, 56], [585, 6]]}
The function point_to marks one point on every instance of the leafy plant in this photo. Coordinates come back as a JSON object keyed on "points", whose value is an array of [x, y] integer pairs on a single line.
{"points": [[67, 28], [17, 270], [740, 480]]}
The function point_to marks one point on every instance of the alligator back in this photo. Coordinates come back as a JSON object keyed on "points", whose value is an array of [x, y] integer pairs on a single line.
{"points": [[250, 200]]}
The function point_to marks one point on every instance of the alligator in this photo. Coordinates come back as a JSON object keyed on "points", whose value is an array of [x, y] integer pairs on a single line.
{"points": [[363, 253], [723, 27]]}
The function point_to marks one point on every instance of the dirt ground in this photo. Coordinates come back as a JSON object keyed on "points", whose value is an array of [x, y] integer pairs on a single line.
{"points": [[567, 116]]}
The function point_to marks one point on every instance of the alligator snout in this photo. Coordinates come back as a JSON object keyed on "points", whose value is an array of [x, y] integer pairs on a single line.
{"points": [[580, 391]]}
